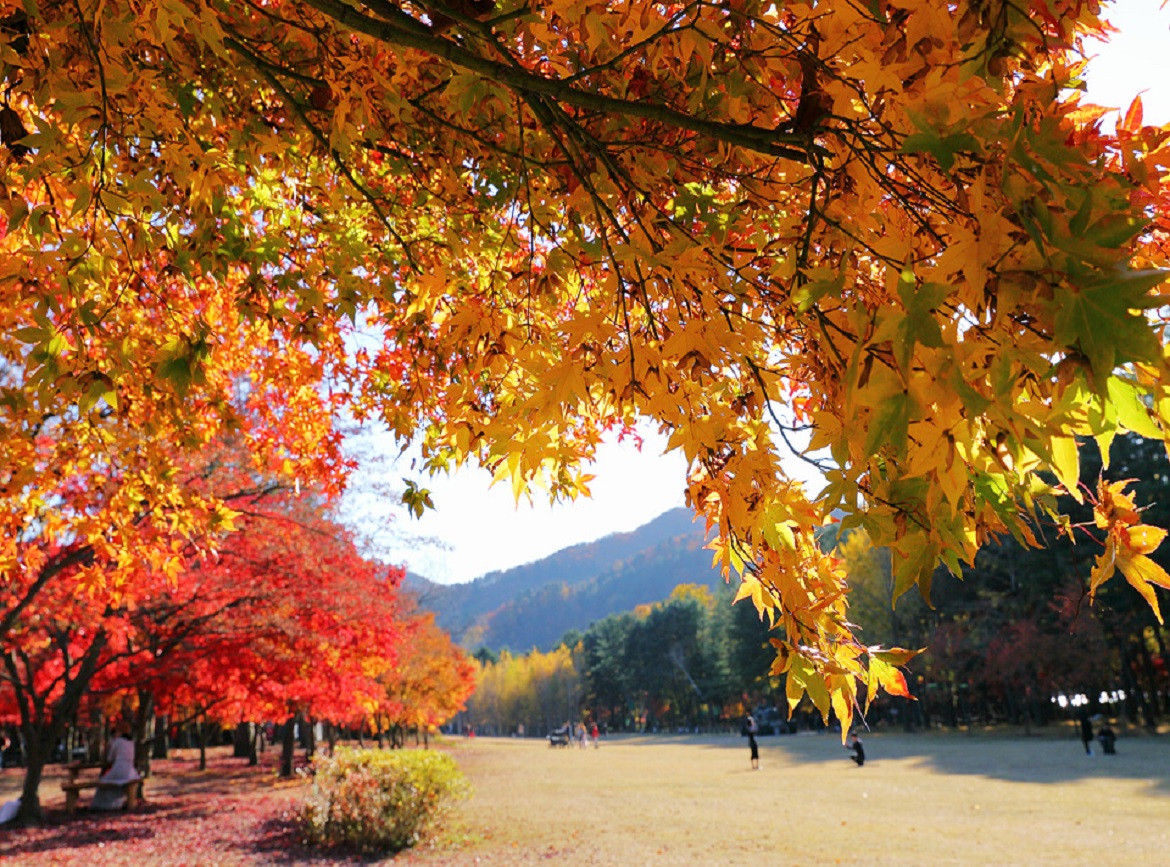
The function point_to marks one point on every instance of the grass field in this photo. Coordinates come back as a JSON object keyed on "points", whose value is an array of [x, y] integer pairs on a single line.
{"points": [[921, 799]]}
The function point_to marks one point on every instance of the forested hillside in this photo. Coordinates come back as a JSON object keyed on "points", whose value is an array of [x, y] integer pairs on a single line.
{"points": [[535, 604]]}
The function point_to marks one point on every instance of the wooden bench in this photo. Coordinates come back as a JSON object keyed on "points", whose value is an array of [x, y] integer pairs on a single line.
{"points": [[132, 790]]}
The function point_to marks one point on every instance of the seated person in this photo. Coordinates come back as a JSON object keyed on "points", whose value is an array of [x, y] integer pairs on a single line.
{"points": [[858, 750], [120, 761]]}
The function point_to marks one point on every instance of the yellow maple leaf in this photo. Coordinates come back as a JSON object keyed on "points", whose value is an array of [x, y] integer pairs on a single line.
{"points": [[1113, 505], [1140, 571], [1143, 538], [883, 675], [1104, 567]]}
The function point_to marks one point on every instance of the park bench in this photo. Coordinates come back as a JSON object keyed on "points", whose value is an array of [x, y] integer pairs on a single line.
{"points": [[74, 786]]}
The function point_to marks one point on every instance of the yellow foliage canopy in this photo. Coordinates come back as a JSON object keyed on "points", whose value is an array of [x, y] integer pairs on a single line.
{"points": [[507, 228]]}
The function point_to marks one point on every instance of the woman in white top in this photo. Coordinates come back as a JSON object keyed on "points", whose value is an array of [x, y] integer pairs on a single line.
{"points": [[120, 757]]}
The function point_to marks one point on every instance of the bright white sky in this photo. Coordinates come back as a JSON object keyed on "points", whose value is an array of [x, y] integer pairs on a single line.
{"points": [[476, 528], [1135, 61]]}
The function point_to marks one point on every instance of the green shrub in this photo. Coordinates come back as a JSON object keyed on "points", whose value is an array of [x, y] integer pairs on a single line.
{"points": [[378, 800]]}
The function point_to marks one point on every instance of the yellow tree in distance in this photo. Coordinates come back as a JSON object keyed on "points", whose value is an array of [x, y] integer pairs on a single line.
{"points": [[507, 228]]}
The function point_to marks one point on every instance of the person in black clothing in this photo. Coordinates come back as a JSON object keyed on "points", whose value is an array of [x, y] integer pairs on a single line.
{"points": [[1086, 733], [1108, 740], [751, 728], [858, 751]]}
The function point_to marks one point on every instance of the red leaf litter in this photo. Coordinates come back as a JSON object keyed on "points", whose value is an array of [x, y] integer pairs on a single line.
{"points": [[230, 814]]}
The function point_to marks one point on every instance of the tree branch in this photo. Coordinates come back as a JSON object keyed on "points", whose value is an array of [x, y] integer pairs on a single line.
{"points": [[777, 143]]}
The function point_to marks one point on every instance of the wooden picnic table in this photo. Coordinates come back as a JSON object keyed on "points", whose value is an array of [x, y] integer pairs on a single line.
{"points": [[73, 786], [75, 768]]}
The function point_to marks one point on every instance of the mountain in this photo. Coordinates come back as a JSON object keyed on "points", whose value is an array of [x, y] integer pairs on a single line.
{"points": [[535, 604]]}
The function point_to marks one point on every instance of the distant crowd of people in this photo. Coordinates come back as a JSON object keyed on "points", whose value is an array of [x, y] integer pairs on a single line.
{"points": [[578, 733]]}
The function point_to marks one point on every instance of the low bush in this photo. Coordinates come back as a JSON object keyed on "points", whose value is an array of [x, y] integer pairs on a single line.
{"points": [[378, 800]]}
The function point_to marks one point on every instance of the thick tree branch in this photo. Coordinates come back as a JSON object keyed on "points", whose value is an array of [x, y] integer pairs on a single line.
{"points": [[777, 143], [80, 555]]}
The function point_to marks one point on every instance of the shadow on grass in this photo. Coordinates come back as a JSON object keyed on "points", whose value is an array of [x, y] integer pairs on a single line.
{"points": [[277, 842], [1051, 758]]}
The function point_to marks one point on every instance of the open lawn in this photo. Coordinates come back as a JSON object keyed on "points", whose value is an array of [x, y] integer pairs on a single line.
{"points": [[921, 799]]}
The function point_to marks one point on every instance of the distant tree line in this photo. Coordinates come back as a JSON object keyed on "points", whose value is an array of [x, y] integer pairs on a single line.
{"points": [[532, 693], [1023, 645], [690, 661]]}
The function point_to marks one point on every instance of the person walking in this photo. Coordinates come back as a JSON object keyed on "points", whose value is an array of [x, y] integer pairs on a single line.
{"points": [[1086, 733], [752, 729]]}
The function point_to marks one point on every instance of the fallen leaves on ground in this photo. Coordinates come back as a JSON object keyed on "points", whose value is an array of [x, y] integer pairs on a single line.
{"points": [[230, 814]]}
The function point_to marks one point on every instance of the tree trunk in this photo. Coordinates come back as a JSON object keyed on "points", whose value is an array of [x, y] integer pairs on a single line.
{"points": [[288, 745], [1162, 694], [38, 749], [1146, 694], [253, 741], [160, 738], [241, 737], [1129, 681], [143, 731], [41, 726], [310, 739], [922, 706], [201, 738]]}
